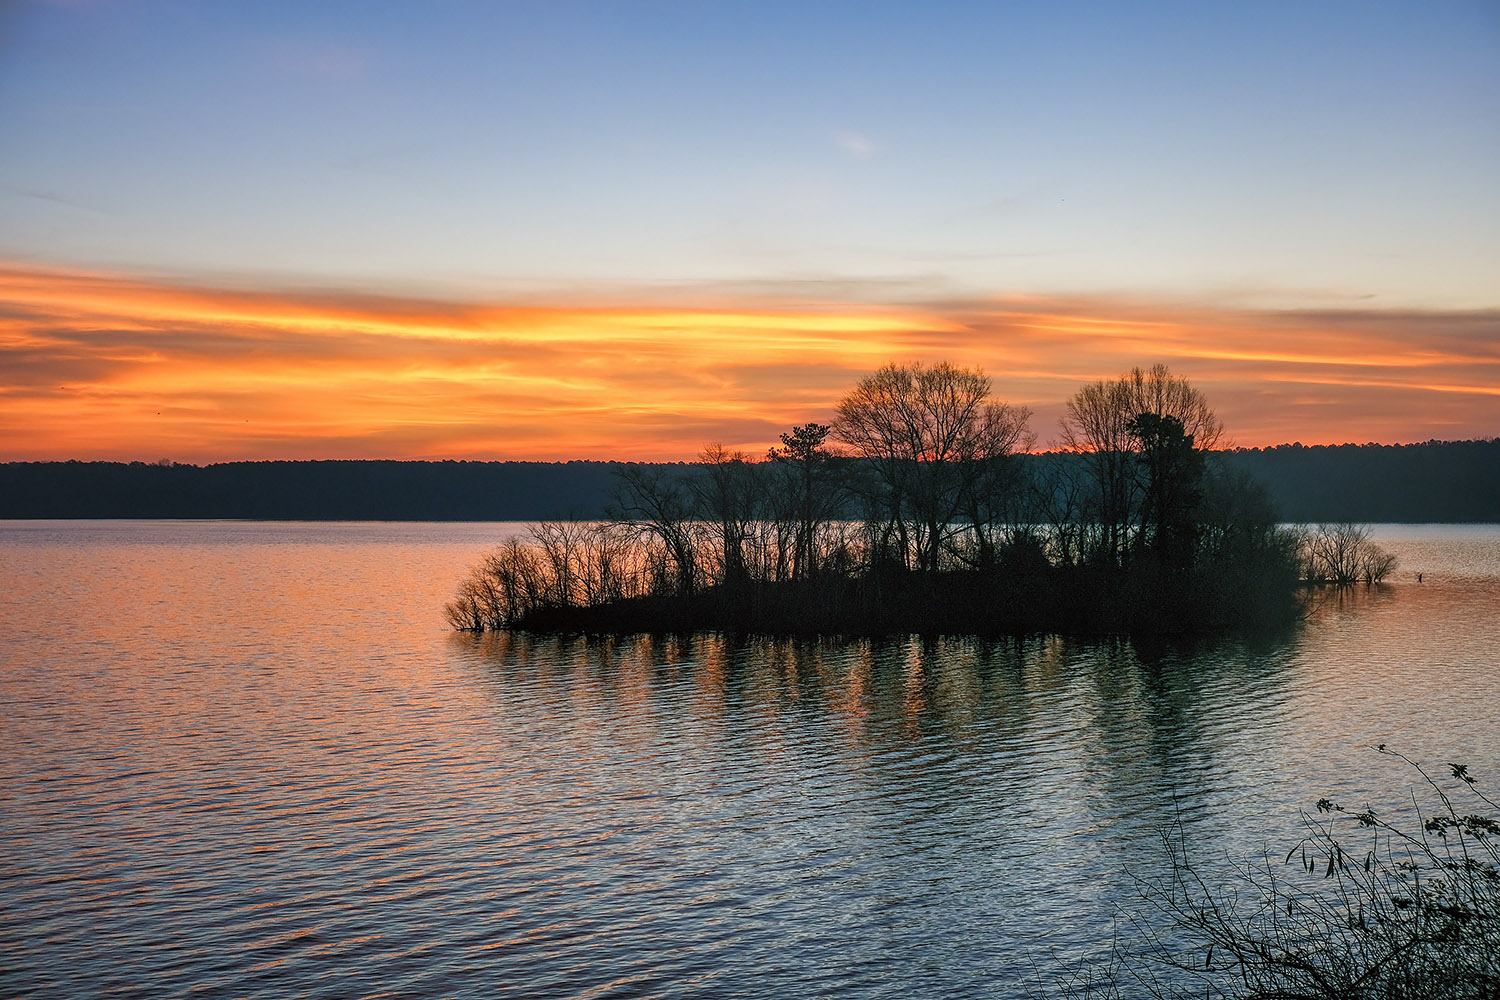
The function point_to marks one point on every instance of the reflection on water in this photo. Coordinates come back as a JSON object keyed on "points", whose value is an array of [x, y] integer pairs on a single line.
{"points": [[259, 765]]}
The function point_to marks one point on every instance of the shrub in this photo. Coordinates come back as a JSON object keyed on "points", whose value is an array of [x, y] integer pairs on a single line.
{"points": [[564, 564], [1343, 554], [1364, 906]]}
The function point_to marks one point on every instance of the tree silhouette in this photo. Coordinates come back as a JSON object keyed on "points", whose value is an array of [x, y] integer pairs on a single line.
{"points": [[1173, 487], [926, 432], [1098, 426], [727, 494], [656, 503], [812, 492]]}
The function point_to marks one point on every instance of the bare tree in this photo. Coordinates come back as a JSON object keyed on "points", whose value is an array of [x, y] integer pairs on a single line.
{"points": [[1097, 426], [1101, 424], [728, 496], [1343, 554], [926, 433], [994, 502], [1054, 498], [657, 503], [1398, 905]]}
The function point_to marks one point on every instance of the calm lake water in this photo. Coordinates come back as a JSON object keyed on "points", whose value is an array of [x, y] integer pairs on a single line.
{"points": [[249, 759]]}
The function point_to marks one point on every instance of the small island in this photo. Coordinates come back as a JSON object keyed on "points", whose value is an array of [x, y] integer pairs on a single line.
{"points": [[910, 514]]}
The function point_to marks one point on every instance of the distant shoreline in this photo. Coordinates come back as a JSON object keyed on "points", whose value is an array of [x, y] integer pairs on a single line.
{"points": [[1436, 483]]}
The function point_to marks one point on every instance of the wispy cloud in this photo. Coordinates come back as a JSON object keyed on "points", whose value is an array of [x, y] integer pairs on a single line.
{"points": [[855, 144], [54, 197], [106, 366]]}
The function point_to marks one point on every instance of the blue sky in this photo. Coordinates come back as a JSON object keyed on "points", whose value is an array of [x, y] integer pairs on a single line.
{"points": [[1280, 155], [587, 230]]}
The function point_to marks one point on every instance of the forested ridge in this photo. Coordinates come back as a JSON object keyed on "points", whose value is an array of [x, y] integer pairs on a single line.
{"points": [[1434, 481]]}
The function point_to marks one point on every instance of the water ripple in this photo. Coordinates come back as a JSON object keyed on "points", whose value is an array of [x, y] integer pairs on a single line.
{"points": [[294, 802]]}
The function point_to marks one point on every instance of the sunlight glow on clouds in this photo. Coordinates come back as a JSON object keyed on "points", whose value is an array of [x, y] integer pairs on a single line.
{"points": [[107, 366]]}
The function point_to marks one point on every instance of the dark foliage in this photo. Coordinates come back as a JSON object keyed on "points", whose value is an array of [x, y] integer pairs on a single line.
{"points": [[307, 491], [932, 527], [1399, 905], [1436, 481]]}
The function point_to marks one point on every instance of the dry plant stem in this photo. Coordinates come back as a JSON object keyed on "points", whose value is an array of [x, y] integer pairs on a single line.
{"points": [[1411, 914]]}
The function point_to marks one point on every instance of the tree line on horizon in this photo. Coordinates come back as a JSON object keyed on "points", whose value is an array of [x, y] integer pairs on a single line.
{"points": [[912, 509], [1435, 481]]}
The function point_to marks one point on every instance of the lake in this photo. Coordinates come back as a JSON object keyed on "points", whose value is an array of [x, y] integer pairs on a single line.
{"points": [[249, 759]]}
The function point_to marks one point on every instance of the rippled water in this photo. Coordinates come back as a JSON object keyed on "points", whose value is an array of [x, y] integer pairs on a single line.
{"points": [[249, 760]]}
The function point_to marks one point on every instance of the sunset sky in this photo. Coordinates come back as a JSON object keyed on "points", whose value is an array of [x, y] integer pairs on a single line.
{"points": [[602, 230]]}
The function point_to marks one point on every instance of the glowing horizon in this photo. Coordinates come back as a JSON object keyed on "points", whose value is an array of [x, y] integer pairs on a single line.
{"points": [[558, 231], [120, 367]]}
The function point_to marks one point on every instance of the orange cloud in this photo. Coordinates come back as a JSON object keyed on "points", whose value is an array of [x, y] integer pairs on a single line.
{"points": [[107, 366]]}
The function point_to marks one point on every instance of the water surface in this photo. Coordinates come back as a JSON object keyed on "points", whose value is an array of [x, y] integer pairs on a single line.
{"points": [[248, 759]]}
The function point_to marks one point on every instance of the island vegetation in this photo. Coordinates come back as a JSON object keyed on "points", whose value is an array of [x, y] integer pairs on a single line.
{"points": [[912, 512]]}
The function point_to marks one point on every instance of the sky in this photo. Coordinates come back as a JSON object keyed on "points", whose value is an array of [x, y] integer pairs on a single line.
{"points": [[626, 229]]}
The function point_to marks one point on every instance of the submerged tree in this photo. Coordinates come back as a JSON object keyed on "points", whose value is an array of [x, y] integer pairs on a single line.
{"points": [[1343, 554]]}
